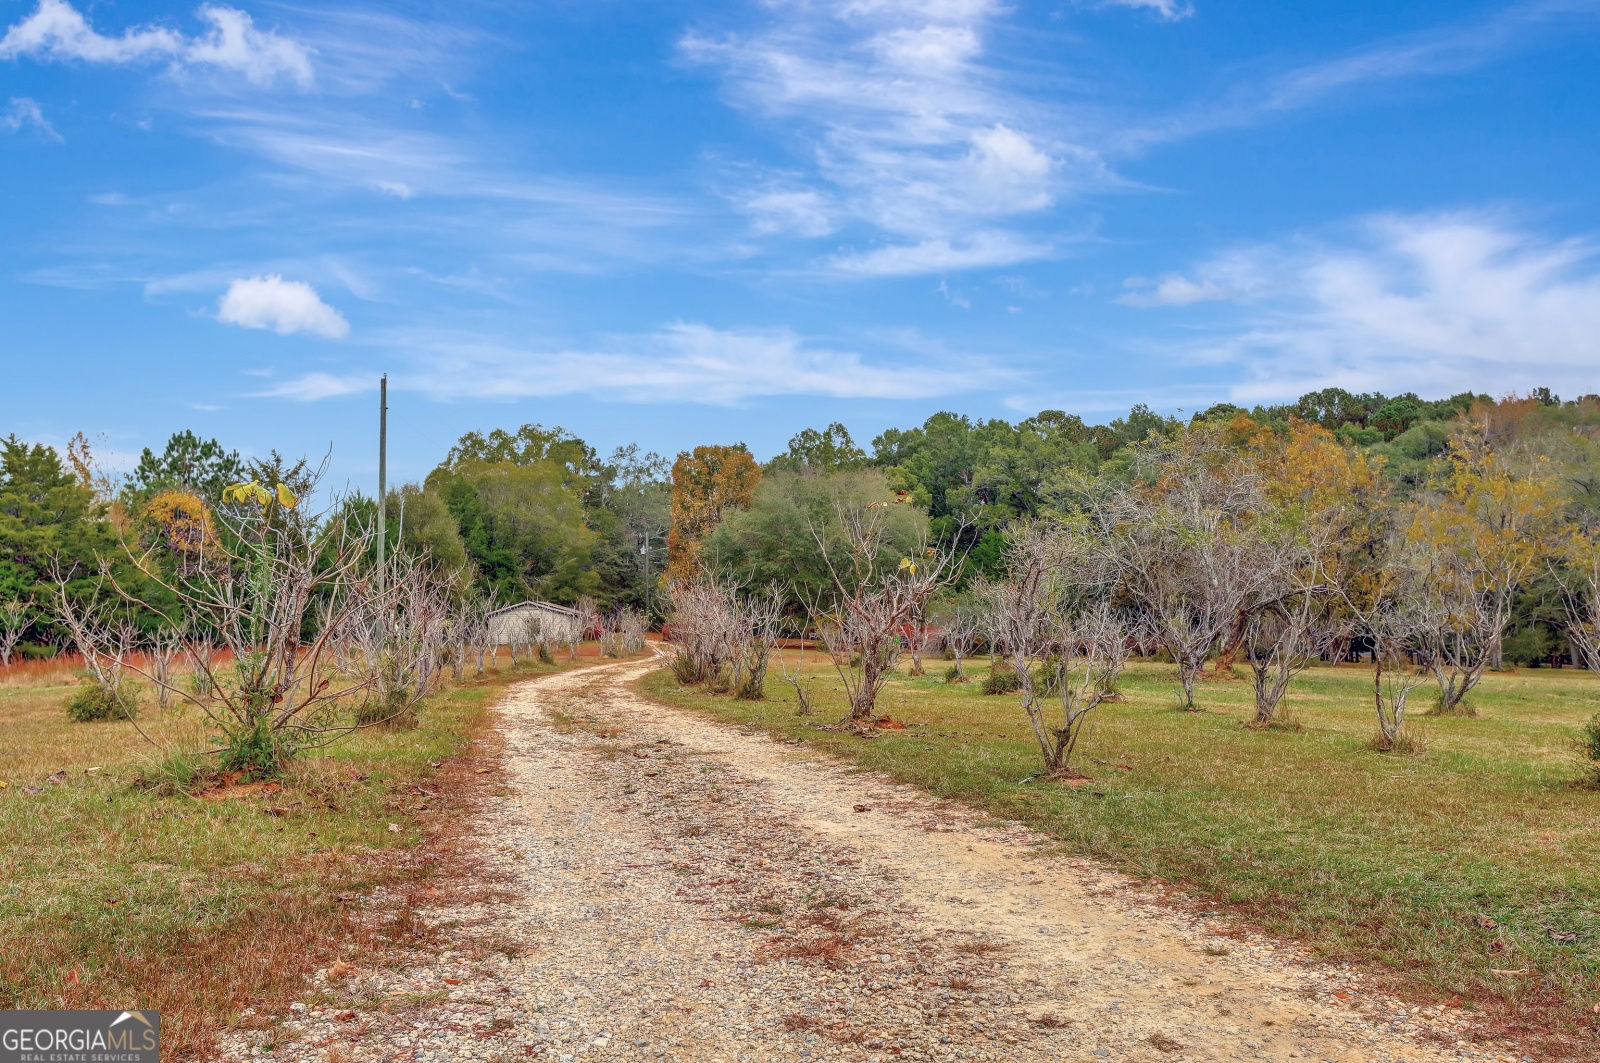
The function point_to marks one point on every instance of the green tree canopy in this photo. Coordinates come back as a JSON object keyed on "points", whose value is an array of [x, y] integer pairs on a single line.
{"points": [[188, 463], [775, 541]]}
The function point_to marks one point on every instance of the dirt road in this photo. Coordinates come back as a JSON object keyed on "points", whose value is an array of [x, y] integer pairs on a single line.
{"points": [[684, 891]]}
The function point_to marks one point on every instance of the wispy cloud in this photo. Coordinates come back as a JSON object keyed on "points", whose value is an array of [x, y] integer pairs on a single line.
{"points": [[1173, 291], [1433, 303], [983, 248], [684, 362], [1170, 10], [285, 307], [908, 132], [24, 112], [1449, 49], [57, 31]]}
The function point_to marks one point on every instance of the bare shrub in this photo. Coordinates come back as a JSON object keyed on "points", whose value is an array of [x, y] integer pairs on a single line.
{"points": [[724, 637], [959, 623], [1051, 613], [104, 639], [275, 577], [759, 617], [398, 638], [792, 668], [1193, 542], [873, 597], [15, 619], [588, 617]]}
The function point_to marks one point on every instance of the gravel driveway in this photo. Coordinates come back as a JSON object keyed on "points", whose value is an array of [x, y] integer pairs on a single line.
{"points": [[681, 890]]}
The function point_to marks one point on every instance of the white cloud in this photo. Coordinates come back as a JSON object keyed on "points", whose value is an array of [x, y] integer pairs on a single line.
{"points": [[234, 43], [1171, 10], [1431, 303], [954, 298], [57, 31], [25, 112], [283, 306], [312, 387], [1174, 291], [979, 249], [903, 126], [802, 211], [682, 362]]}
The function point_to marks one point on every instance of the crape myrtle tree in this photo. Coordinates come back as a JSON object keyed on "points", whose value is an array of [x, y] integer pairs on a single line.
{"points": [[725, 636], [1063, 635], [1194, 542], [278, 589], [875, 594], [1476, 539], [1576, 567], [958, 620], [15, 619]]}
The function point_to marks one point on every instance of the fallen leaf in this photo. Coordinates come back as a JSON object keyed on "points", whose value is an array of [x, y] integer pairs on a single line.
{"points": [[484, 771], [111, 903], [346, 1016], [72, 977], [1342, 996], [97, 767], [3, 784], [1487, 923], [275, 810], [338, 970], [863, 808], [452, 981], [1563, 937]]}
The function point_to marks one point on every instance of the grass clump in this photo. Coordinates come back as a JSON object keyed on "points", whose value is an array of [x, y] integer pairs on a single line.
{"points": [[1587, 747], [1002, 679], [92, 702]]}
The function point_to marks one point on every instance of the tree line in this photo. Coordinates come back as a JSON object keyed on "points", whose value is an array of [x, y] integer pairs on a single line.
{"points": [[1436, 541]]}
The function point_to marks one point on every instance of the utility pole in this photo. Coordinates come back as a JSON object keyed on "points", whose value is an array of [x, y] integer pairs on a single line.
{"points": [[645, 550], [383, 472]]}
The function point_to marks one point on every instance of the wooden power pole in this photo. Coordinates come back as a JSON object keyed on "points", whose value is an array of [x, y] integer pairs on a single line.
{"points": [[383, 473]]}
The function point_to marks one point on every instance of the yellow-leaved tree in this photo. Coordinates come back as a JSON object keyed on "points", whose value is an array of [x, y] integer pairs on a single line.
{"points": [[1482, 531], [707, 482]]}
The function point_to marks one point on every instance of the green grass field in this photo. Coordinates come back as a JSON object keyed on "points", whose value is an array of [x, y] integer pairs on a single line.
{"points": [[199, 905], [1364, 856]]}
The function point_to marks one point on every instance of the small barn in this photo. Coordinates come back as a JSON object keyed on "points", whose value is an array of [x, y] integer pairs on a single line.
{"points": [[528, 622]]}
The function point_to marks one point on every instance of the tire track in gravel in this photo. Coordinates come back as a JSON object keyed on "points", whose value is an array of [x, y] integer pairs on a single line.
{"points": [[690, 892]]}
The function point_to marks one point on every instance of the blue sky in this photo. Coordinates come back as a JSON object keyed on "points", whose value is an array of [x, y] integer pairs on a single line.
{"points": [[676, 223]]}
